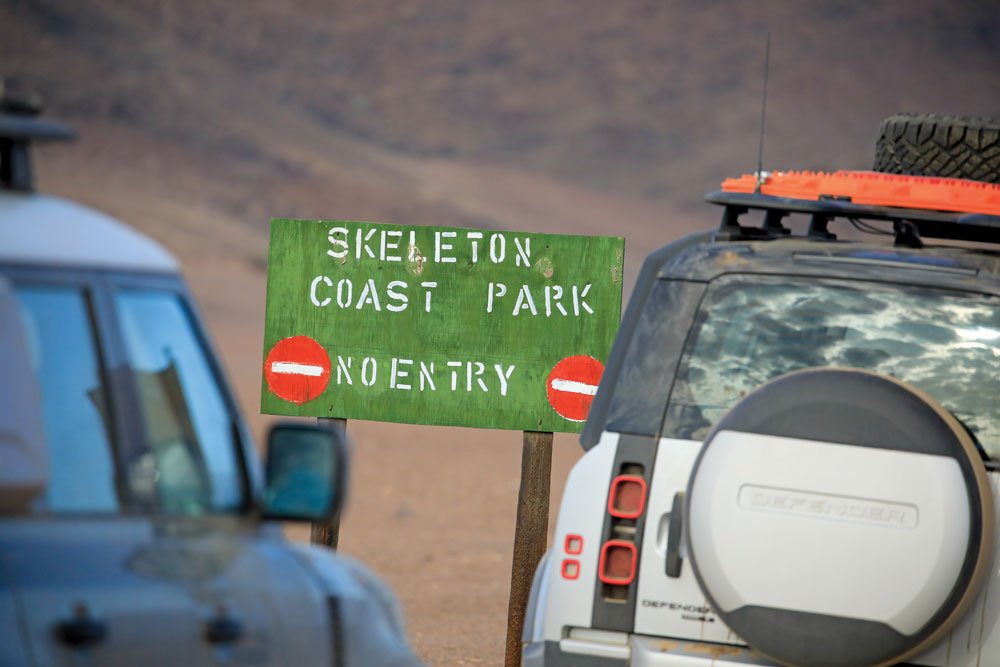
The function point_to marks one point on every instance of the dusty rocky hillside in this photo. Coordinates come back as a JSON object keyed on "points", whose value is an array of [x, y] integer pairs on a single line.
{"points": [[647, 98], [201, 120]]}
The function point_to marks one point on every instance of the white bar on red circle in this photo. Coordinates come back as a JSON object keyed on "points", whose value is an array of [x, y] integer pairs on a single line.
{"points": [[574, 387], [292, 368]]}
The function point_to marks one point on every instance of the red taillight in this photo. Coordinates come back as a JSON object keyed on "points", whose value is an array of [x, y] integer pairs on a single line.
{"points": [[618, 559], [627, 497], [570, 568], [573, 545]]}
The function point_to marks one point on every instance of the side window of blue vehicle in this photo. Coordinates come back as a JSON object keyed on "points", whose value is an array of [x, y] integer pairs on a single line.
{"points": [[191, 465], [64, 355]]}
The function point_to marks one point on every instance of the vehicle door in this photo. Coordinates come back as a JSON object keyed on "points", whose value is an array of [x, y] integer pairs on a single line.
{"points": [[258, 604], [68, 562]]}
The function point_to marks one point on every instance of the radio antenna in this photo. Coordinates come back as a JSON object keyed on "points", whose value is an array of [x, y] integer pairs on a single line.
{"points": [[763, 115]]}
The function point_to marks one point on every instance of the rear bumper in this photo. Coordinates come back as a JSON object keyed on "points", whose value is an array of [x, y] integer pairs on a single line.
{"points": [[551, 654], [640, 651]]}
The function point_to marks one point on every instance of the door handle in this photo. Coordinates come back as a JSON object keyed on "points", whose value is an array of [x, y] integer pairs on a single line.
{"points": [[82, 630], [223, 628], [674, 533]]}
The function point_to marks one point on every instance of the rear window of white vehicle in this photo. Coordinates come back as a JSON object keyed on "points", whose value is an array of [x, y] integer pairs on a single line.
{"points": [[750, 330]]}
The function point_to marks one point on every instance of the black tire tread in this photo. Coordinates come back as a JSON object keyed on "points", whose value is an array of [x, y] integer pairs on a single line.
{"points": [[937, 145]]}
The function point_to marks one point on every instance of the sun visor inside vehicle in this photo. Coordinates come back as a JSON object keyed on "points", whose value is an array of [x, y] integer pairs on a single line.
{"points": [[838, 518], [23, 458]]}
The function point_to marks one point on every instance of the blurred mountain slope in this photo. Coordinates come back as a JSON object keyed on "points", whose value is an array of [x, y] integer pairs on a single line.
{"points": [[645, 98]]}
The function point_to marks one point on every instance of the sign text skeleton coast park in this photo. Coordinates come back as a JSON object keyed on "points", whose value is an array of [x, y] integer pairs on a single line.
{"points": [[436, 325]]}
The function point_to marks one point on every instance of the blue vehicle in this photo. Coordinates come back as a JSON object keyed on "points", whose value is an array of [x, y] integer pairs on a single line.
{"points": [[137, 524]]}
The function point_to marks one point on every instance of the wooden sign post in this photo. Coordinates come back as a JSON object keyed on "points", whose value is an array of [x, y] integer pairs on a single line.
{"points": [[447, 326], [327, 533], [530, 534]]}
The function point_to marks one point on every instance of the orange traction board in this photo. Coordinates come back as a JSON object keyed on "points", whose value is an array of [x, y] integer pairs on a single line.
{"points": [[875, 189]]}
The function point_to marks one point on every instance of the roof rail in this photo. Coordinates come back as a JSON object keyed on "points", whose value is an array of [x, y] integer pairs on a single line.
{"points": [[943, 208], [19, 126]]}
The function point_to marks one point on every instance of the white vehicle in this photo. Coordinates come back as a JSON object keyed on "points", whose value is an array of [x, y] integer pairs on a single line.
{"points": [[137, 526], [792, 456]]}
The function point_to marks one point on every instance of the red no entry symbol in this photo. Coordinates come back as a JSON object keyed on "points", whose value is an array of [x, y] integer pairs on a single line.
{"points": [[297, 369], [572, 384]]}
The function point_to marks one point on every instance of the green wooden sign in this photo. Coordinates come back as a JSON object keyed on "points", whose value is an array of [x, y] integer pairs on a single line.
{"points": [[438, 325]]}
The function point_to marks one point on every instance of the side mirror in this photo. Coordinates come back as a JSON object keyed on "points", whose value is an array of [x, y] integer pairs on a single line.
{"points": [[306, 473]]}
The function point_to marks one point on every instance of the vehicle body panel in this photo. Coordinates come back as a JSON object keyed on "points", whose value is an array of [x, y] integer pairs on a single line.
{"points": [[674, 607], [60, 571]]}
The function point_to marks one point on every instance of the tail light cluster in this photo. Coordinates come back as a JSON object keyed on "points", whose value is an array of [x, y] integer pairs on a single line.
{"points": [[573, 546], [619, 554], [619, 558]]}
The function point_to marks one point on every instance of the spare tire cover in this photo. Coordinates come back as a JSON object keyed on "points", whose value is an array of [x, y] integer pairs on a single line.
{"points": [[839, 518]]}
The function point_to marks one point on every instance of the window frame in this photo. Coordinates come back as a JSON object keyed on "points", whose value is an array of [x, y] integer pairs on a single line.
{"points": [[98, 288]]}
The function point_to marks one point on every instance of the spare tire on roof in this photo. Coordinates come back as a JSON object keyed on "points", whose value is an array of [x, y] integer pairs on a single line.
{"points": [[839, 518], [933, 145]]}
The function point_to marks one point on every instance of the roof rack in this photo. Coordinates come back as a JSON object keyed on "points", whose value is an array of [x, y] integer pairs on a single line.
{"points": [[19, 126], [862, 195]]}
